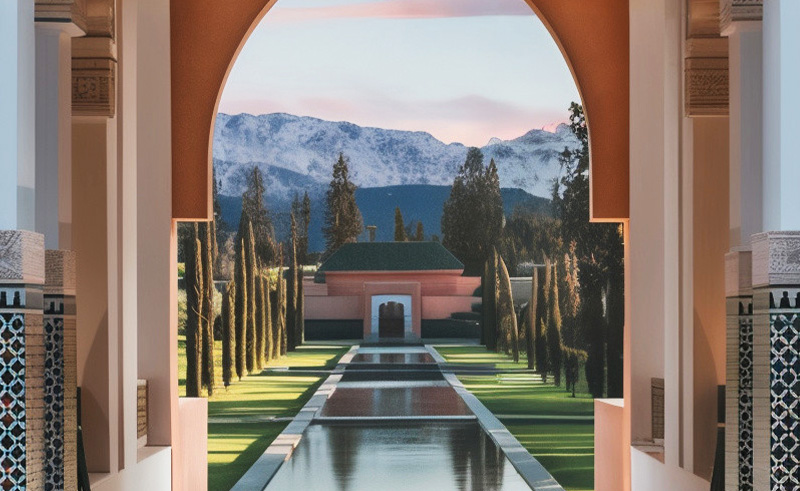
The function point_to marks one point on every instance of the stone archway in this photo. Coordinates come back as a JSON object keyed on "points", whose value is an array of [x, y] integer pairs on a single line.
{"points": [[207, 35]]}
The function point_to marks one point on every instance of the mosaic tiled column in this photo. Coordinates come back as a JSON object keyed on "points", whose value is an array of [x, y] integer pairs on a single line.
{"points": [[739, 378], [21, 360], [776, 366], [60, 371]]}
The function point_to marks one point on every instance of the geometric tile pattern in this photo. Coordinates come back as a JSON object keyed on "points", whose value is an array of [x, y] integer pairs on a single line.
{"points": [[784, 399], [54, 392], [12, 395], [745, 402]]}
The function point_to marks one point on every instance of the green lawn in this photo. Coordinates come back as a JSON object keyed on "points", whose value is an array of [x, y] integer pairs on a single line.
{"points": [[237, 431], [531, 409]]}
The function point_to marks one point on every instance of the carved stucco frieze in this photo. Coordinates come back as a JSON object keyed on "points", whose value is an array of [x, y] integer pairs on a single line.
{"points": [[739, 11], [94, 63], [705, 61]]}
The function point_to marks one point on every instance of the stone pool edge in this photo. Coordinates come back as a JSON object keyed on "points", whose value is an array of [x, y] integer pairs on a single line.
{"points": [[280, 450], [531, 470]]}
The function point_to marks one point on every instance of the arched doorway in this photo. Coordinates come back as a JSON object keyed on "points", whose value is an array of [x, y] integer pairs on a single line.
{"points": [[206, 37]]}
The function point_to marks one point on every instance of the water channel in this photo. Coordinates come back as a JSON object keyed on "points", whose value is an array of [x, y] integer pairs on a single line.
{"points": [[394, 423]]}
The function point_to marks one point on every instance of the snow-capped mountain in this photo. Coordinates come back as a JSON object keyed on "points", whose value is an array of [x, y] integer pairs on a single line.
{"points": [[297, 154]]}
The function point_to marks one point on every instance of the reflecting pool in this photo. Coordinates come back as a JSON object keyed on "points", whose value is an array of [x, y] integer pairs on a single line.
{"points": [[406, 456]]}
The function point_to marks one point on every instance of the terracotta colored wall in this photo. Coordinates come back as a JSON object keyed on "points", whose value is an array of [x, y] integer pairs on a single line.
{"points": [[328, 308], [608, 444], [710, 233], [443, 307], [206, 36], [434, 283]]}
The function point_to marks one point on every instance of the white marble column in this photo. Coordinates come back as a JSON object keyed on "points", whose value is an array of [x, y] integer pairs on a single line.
{"points": [[781, 96], [54, 132], [17, 118]]}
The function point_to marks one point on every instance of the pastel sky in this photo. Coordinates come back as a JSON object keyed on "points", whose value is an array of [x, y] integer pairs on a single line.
{"points": [[462, 70]]}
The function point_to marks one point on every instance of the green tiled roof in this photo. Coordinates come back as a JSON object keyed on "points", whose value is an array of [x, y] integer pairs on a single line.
{"points": [[392, 256]]}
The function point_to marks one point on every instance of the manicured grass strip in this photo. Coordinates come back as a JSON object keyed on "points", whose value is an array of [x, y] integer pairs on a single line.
{"points": [[565, 450], [479, 355], [521, 398], [233, 448]]}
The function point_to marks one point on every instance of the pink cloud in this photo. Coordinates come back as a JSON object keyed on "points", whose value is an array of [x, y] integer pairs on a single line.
{"points": [[404, 9]]}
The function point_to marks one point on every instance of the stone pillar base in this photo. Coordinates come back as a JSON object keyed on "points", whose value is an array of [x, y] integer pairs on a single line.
{"points": [[21, 360], [776, 364]]}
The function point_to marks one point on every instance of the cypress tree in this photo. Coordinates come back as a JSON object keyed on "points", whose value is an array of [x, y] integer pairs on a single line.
{"points": [[489, 303], [507, 319], [266, 342], [194, 312], [275, 325], [300, 312], [472, 217], [281, 306], [228, 333], [259, 334], [240, 316], [251, 271], [343, 221], [420, 236], [594, 321], [542, 306], [255, 214], [530, 320], [554, 331], [399, 227], [206, 243], [291, 290]]}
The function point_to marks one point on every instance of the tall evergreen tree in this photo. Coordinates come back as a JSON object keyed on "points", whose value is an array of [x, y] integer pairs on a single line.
{"points": [[260, 323], [256, 214], [252, 271], [508, 335], [281, 306], [343, 221], [206, 236], [268, 328], [228, 333], [594, 320], [291, 290], [241, 306], [300, 310], [554, 331], [530, 321], [420, 235], [194, 313], [615, 322], [399, 226], [489, 303], [301, 209], [472, 218], [543, 307]]}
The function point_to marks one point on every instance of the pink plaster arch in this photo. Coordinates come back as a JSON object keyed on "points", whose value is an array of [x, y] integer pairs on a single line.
{"points": [[207, 36]]}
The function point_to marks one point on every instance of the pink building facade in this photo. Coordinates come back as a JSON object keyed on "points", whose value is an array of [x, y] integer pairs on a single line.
{"points": [[437, 300]]}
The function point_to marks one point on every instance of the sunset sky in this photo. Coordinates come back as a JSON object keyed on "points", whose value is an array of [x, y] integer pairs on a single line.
{"points": [[462, 70]]}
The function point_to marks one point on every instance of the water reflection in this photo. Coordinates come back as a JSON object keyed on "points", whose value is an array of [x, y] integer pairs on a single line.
{"points": [[394, 358], [451, 456], [402, 401]]}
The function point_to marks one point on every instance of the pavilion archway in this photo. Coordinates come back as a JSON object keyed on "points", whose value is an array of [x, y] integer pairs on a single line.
{"points": [[207, 36]]}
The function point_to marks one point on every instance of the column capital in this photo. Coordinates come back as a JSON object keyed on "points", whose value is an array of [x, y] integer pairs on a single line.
{"points": [[94, 63], [705, 61], [68, 16], [776, 258], [733, 13]]}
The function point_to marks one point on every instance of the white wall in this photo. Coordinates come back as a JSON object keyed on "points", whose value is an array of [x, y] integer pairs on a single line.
{"points": [[781, 107], [17, 115], [648, 474]]}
